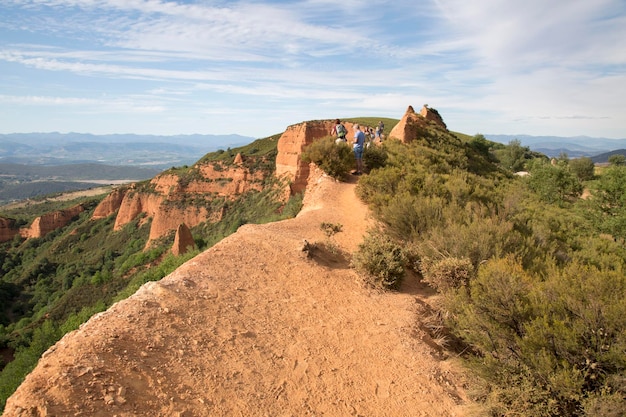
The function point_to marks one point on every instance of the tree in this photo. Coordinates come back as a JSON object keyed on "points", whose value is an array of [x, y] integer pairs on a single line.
{"points": [[513, 157], [481, 144], [617, 159], [553, 183], [609, 201], [583, 168]]}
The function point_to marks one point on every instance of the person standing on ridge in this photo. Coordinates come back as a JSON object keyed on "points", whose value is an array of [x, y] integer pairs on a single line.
{"points": [[339, 130], [379, 130], [357, 147], [369, 136]]}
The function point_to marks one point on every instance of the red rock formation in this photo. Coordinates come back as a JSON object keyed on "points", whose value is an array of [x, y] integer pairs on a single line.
{"points": [[412, 123], [51, 221], [166, 219], [432, 115], [227, 182], [133, 204], [110, 204], [290, 145], [7, 229], [183, 241], [164, 199]]}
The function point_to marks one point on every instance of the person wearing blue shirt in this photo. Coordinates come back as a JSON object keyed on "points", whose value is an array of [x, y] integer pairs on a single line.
{"points": [[357, 147]]}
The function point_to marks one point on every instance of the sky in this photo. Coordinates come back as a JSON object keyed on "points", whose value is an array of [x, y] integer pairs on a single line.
{"points": [[254, 67]]}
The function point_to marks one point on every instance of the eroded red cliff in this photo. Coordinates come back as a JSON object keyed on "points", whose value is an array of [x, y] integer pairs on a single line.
{"points": [[7, 229], [110, 204], [174, 197], [180, 197], [289, 163], [45, 224]]}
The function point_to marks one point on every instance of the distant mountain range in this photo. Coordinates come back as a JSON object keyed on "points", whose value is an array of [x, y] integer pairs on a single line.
{"points": [[134, 150], [574, 147], [36, 164], [163, 152]]}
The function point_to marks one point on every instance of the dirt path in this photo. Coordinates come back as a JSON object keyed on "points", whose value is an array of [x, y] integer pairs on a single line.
{"points": [[254, 327]]}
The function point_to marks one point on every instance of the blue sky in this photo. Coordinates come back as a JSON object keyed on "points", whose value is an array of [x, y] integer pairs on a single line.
{"points": [[537, 67]]}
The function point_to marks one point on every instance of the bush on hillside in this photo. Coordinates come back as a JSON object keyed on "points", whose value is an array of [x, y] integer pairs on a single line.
{"points": [[583, 168], [481, 145], [407, 217], [381, 260], [447, 273], [529, 282], [374, 157], [617, 160], [335, 159], [553, 184], [608, 202], [543, 348], [513, 157]]}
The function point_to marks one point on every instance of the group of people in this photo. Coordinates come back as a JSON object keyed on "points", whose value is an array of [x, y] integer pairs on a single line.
{"points": [[358, 140]]}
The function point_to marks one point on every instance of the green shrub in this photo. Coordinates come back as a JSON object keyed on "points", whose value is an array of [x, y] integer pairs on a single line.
{"points": [[551, 345], [492, 315], [481, 145], [583, 168], [447, 273], [513, 157], [609, 403], [407, 216], [381, 260], [374, 157], [553, 184], [608, 202], [330, 229], [617, 160], [377, 190], [335, 159]]}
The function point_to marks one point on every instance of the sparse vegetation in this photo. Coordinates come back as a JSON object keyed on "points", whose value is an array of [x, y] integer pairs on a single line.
{"points": [[330, 229], [381, 260]]}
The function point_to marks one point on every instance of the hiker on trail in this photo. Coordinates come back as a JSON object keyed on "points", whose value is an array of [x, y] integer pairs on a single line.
{"points": [[369, 136], [379, 130], [340, 131], [357, 147]]}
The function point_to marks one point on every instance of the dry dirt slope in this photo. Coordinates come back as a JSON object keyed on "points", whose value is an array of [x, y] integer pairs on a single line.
{"points": [[252, 327]]}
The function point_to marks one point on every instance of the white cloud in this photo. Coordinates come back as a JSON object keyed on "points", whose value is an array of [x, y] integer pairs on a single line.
{"points": [[551, 63], [45, 100], [536, 32]]}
